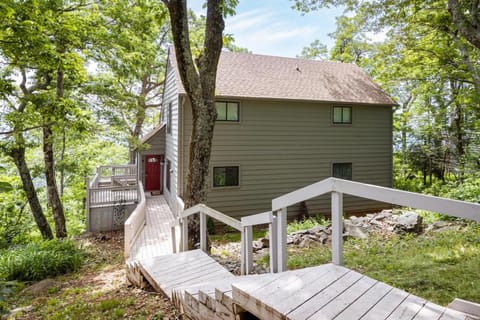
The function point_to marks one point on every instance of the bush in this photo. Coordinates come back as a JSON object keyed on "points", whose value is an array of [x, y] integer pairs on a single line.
{"points": [[40, 260]]}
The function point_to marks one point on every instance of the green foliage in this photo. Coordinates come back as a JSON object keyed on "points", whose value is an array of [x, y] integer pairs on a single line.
{"points": [[8, 289], [308, 223], [39, 260]]}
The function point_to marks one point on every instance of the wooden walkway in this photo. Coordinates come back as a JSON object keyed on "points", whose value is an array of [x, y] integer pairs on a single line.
{"points": [[202, 289], [332, 292], [156, 238]]}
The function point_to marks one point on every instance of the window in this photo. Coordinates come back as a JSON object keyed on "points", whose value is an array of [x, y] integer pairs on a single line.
{"points": [[169, 118], [167, 176], [342, 170], [342, 115], [227, 111], [225, 176]]}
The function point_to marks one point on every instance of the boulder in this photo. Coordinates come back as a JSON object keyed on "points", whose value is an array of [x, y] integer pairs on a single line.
{"points": [[409, 222], [356, 231]]}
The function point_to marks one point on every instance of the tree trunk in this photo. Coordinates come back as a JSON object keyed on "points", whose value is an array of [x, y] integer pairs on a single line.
{"points": [[199, 83], [54, 199], [52, 191], [18, 156]]}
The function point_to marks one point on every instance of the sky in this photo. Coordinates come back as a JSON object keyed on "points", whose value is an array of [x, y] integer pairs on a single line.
{"points": [[272, 27]]}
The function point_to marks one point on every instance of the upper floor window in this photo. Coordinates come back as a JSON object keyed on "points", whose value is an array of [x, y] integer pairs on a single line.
{"points": [[342, 170], [169, 118], [227, 111], [225, 176], [342, 115]]}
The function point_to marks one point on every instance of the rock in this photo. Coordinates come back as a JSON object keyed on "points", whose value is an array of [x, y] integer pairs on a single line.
{"points": [[307, 242], [13, 313], [41, 288], [260, 244], [409, 222], [317, 230], [355, 230]]}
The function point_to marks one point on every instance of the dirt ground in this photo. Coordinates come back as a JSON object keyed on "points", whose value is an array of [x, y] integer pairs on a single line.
{"points": [[98, 291]]}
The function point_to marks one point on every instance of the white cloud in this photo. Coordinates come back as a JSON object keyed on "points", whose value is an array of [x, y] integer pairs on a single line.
{"points": [[263, 31]]}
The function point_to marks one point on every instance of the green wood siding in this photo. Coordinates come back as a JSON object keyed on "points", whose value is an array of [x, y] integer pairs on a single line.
{"points": [[283, 146]]}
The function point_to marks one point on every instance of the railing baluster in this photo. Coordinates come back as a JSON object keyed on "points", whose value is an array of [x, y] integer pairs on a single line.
{"points": [[337, 228], [203, 231], [184, 225], [272, 230], [282, 239], [248, 249]]}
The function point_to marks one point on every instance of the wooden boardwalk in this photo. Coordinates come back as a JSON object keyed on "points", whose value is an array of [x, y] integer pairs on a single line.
{"points": [[333, 292], [203, 289], [155, 239]]}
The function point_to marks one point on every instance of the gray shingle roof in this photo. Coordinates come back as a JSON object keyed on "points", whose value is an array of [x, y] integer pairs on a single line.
{"points": [[244, 75]]}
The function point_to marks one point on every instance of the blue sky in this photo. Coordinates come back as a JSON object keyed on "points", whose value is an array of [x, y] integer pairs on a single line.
{"points": [[272, 27]]}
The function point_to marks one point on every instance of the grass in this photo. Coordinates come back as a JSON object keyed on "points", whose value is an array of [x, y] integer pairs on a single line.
{"points": [[234, 236], [438, 266], [39, 260], [96, 291]]}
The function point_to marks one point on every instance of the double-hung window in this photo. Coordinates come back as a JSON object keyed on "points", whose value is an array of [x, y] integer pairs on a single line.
{"points": [[227, 111], [342, 115]]}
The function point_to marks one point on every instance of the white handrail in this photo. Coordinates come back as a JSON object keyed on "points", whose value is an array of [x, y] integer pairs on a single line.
{"points": [[338, 187], [135, 222], [217, 215], [247, 240], [244, 226]]}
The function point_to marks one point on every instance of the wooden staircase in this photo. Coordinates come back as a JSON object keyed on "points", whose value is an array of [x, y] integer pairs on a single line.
{"points": [[201, 289]]}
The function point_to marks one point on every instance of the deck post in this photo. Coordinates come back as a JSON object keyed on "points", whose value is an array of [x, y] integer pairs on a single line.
{"points": [[282, 239], [272, 231], [203, 231], [184, 224], [247, 249], [337, 228]]}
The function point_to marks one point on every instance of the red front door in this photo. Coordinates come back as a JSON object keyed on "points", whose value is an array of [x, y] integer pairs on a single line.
{"points": [[152, 172]]}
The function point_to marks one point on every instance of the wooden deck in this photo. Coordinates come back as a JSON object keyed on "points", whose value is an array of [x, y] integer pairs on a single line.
{"points": [[202, 289], [333, 292], [155, 239]]}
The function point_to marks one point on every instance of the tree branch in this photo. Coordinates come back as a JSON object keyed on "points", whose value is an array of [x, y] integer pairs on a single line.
{"points": [[468, 30]]}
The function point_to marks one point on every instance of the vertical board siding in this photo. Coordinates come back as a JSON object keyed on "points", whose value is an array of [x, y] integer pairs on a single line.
{"points": [[282, 146], [170, 95]]}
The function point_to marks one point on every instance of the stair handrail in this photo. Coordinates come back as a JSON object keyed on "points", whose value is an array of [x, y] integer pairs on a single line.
{"points": [[135, 222], [337, 187], [245, 226]]}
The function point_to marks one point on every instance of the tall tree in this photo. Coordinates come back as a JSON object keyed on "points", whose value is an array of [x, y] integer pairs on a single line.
{"points": [[198, 77], [41, 42], [130, 54]]}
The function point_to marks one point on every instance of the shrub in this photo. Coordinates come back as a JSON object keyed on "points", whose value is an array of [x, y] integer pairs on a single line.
{"points": [[40, 260]]}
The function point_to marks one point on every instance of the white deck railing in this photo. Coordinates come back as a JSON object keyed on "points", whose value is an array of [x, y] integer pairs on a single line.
{"points": [[245, 226], [338, 187], [135, 223]]}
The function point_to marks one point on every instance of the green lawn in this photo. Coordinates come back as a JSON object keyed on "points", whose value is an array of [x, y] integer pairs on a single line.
{"points": [[438, 266]]}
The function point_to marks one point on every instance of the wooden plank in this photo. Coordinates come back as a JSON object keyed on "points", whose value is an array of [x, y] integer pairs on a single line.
{"points": [[450, 314], [324, 296], [429, 311], [345, 299], [465, 306], [408, 308], [386, 305], [289, 292], [363, 304]]}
